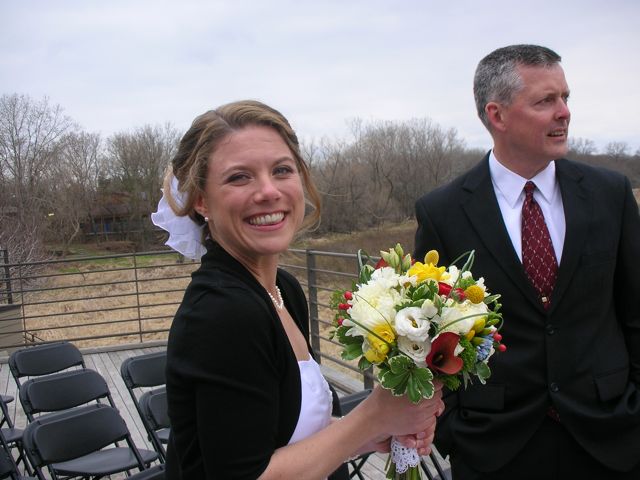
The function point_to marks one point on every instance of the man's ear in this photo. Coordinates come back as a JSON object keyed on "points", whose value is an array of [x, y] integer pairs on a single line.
{"points": [[495, 115]]}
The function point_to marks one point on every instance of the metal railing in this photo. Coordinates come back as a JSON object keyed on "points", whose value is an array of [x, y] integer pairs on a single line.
{"points": [[131, 298]]}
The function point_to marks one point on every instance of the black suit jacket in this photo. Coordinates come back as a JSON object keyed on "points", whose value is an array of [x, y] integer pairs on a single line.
{"points": [[582, 355]]}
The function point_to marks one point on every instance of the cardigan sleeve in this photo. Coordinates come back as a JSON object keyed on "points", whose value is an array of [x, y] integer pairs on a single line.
{"points": [[224, 382]]}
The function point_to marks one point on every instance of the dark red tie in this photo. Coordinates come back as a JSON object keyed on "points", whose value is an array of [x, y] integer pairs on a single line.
{"points": [[538, 256]]}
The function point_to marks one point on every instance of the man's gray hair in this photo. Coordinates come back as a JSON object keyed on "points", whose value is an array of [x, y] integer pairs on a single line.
{"points": [[497, 78]]}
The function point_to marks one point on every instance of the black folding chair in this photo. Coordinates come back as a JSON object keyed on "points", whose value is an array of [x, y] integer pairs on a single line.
{"points": [[44, 359], [442, 474], [140, 374], [74, 444], [62, 391], [12, 436], [153, 405], [8, 466], [153, 473]]}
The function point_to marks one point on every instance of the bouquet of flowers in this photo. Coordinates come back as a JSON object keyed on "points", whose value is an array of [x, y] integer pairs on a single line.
{"points": [[417, 322]]}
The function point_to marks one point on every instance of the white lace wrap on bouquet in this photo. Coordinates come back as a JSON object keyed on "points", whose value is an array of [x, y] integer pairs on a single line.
{"points": [[403, 457], [185, 235]]}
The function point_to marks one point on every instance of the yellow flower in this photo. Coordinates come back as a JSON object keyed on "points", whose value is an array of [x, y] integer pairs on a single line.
{"points": [[474, 294], [379, 343], [426, 271], [432, 257], [478, 327]]}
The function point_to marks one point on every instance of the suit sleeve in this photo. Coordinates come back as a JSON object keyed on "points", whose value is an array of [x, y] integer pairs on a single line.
{"points": [[427, 237], [627, 281], [223, 383]]}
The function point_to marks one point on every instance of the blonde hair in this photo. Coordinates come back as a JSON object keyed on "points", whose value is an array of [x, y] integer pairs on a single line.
{"points": [[190, 164]]}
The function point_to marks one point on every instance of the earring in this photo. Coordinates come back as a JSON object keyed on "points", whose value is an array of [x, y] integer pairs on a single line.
{"points": [[206, 219]]}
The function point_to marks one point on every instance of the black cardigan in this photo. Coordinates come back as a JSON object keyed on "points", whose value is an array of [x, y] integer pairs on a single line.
{"points": [[233, 382]]}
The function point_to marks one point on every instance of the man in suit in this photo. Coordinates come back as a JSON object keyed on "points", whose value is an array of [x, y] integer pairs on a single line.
{"points": [[564, 400]]}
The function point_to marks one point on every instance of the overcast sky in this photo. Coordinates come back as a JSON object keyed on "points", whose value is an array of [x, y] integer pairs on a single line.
{"points": [[114, 65]]}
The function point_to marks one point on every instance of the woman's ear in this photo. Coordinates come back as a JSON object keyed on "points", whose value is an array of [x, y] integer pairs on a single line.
{"points": [[200, 206]]}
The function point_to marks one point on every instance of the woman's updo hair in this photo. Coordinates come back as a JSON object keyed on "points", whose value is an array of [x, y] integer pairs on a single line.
{"points": [[207, 131]]}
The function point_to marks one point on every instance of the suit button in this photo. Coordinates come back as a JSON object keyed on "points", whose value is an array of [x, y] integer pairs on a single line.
{"points": [[554, 387], [550, 330]]}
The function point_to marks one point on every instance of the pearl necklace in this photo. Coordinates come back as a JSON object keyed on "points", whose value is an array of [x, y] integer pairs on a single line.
{"points": [[279, 304]]}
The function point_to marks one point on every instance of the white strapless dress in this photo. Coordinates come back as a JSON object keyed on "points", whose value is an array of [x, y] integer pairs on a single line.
{"points": [[315, 410]]}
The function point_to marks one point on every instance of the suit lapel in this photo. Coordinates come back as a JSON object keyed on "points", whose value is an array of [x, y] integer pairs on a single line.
{"points": [[577, 212], [480, 204]]}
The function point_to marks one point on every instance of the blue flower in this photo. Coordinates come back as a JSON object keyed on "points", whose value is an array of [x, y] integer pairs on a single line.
{"points": [[484, 349]]}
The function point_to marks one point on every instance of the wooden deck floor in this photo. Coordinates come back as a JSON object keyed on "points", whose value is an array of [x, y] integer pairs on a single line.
{"points": [[107, 363]]}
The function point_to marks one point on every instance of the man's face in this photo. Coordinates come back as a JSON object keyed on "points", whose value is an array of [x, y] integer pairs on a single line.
{"points": [[536, 123]]}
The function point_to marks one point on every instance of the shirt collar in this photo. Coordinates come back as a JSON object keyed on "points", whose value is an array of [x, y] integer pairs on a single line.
{"points": [[511, 185]]}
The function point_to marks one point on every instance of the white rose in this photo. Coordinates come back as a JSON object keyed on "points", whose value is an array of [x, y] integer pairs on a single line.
{"points": [[453, 275], [412, 323], [460, 317], [416, 351], [374, 303], [429, 310], [387, 278]]}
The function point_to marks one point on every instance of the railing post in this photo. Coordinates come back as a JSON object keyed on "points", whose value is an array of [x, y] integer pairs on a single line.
{"points": [[7, 274], [135, 275], [24, 315], [313, 304]]}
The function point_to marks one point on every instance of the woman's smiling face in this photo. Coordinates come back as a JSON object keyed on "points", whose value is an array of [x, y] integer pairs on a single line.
{"points": [[254, 197]]}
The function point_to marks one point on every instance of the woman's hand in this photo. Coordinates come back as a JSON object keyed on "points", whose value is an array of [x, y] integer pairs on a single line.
{"points": [[399, 417]]}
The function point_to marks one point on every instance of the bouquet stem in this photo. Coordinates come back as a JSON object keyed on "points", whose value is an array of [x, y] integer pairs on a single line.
{"points": [[409, 462]]}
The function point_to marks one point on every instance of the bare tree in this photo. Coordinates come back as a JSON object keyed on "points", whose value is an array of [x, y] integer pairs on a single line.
{"points": [[30, 133], [377, 177], [30, 141], [331, 172], [136, 163], [74, 185], [580, 147], [616, 150]]}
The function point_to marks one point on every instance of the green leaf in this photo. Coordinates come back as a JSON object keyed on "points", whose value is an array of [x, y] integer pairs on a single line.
{"points": [[400, 363], [344, 339], [364, 364], [424, 379], [352, 351], [419, 293], [420, 384], [403, 376], [397, 376], [483, 371]]}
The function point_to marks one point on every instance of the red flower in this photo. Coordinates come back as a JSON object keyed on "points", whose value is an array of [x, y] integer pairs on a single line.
{"points": [[441, 358], [444, 289], [381, 263], [348, 295]]}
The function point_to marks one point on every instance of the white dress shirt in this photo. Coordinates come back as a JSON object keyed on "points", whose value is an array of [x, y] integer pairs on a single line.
{"points": [[509, 189]]}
